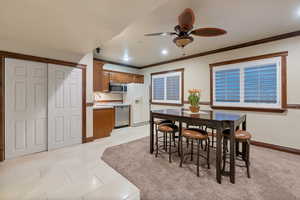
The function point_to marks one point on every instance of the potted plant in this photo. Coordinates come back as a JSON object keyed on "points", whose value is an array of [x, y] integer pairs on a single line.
{"points": [[194, 99]]}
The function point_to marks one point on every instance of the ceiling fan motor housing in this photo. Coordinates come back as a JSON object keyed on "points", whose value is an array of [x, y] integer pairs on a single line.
{"points": [[182, 41]]}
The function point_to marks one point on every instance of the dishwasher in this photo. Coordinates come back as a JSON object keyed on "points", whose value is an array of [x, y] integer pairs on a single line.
{"points": [[121, 115]]}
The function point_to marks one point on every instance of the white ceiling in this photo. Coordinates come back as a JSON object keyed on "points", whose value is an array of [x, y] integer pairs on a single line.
{"points": [[66, 29], [244, 20]]}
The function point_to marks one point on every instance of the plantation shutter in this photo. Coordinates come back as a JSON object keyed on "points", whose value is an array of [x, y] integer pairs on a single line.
{"points": [[173, 87], [158, 88], [261, 84], [227, 85], [167, 87]]}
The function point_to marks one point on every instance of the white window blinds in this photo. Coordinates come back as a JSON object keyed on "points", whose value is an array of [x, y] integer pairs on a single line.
{"points": [[261, 84], [248, 84], [173, 87], [228, 85], [166, 88], [159, 88]]}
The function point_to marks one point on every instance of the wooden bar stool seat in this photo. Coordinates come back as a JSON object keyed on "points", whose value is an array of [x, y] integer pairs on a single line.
{"points": [[198, 135], [242, 137], [169, 130], [194, 134]]}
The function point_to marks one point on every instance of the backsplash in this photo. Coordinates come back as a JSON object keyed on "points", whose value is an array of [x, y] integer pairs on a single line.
{"points": [[99, 96]]}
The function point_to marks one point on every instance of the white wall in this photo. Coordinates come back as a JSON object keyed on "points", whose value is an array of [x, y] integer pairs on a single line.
{"points": [[280, 129], [88, 60]]}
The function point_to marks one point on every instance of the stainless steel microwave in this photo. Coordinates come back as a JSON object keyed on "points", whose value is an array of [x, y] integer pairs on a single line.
{"points": [[117, 88]]}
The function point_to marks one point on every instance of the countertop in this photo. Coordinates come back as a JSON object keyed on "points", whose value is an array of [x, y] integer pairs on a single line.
{"points": [[107, 105], [97, 107]]}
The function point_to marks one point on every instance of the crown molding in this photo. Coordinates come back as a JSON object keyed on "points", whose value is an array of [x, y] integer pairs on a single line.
{"points": [[40, 59], [229, 48]]}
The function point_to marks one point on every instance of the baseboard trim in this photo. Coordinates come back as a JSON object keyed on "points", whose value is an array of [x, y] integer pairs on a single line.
{"points": [[276, 147], [88, 139], [140, 124]]}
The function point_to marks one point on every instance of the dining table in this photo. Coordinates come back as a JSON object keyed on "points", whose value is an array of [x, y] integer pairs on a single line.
{"points": [[214, 119]]}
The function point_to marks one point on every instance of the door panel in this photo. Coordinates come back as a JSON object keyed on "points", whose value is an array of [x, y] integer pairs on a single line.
{"points": [[20, 134], [26, 107], [40, 127], [65, 106]]}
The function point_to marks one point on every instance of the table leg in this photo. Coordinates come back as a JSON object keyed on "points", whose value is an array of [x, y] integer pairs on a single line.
{"points": [[180, 138], [244, 127], [151, 133], [232, 153], [219, 154]]}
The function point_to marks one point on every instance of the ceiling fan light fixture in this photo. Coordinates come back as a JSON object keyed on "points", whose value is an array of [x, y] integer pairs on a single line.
{"points": [[182, 41]]}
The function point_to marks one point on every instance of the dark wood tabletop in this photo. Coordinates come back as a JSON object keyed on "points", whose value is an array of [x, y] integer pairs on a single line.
{"points": [[203, 114]]}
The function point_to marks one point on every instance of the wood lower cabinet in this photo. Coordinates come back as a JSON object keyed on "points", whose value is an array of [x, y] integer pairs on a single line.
{"points": [[104, 122]]}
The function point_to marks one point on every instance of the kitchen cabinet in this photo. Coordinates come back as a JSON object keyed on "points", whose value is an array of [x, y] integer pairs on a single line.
{"points": [[138, 78], [102, 77], [125, 78], [104, 122], [98, 77], [105, 81], [115, 77]]}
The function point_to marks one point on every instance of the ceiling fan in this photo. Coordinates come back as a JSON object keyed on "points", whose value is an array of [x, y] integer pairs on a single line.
{"points": [[183, 30]]}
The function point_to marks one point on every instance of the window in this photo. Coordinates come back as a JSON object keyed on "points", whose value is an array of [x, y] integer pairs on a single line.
{"points": [[259, 83], [228, 85], [167, 87]]}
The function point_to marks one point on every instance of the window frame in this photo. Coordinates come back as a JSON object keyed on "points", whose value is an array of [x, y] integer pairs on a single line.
{"points": [[181, 86], [241, 64]]}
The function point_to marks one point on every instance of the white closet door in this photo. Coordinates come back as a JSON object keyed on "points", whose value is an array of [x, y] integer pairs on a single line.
{"points": [[25, 107], [64, 106]]}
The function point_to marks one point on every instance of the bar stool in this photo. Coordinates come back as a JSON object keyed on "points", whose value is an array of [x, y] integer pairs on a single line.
{"points": [[241, 137], [212, 133], [157, 122], [198, 135], [189, 125], [168, 129]]}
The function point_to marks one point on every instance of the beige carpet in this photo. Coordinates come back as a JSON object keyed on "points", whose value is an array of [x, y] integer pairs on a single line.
{"points": [[275, 175]]}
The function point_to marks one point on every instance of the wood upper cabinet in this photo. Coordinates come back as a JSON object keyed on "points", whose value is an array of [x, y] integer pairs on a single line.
{"points": [[124, 78], [103, 77], [115, 77], [105, 81], [97, 75], [104, 122], [138, 78]]}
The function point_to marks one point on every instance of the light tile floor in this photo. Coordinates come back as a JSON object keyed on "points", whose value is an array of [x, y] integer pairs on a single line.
{"points": [[75, 172]]}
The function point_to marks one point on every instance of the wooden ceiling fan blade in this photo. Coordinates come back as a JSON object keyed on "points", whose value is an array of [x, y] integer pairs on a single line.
{"points": [[161, 34], [186, 20], [208, 32]]}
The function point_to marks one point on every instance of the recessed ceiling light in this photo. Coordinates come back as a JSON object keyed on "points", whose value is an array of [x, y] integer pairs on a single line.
{"points": [[126, 59], [298, 12], [164, 52]]}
